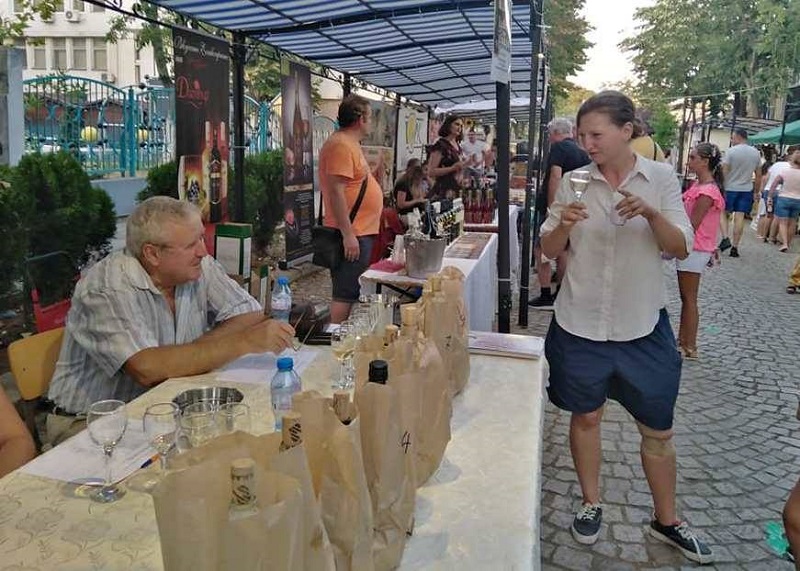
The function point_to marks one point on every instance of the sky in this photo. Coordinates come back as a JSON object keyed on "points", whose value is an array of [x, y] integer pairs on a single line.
{"points": [[606, 63]]}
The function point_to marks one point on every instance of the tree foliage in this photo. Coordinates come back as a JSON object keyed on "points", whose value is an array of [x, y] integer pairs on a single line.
{"points": [[567, 42], [568, 106], [702, 48], [13, 26]]}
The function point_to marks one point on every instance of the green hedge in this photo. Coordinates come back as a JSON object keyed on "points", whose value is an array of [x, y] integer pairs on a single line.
{"points": [[263, 190]]}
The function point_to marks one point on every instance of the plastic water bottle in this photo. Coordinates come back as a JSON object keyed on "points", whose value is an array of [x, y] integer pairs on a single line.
{"points": [[281, 305], [284, 384]]}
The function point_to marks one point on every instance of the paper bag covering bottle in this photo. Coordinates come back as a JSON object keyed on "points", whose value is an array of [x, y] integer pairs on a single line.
{"points": [[420, 357], [388, 449], [270, 455], [333, 448], [446, 323], [202, 528]]}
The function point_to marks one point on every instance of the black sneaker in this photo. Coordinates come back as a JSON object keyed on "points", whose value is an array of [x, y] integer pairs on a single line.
{"points": [[684, 539], [586, 525], [543, 302], [734, 252], [724, 244]]}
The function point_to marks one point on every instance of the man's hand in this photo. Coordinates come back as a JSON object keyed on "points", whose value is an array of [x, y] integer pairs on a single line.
{"points": [[269, 335], [632, 206], [351, 248], [572, 214]]}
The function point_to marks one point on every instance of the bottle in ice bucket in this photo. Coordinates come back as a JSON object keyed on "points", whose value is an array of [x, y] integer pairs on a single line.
{"points": [[284, 384], [281, 304], [291, 430], [243, 490], [378, 371]]}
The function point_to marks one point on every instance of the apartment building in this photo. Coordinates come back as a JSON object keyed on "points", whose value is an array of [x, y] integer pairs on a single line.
{"points": [[73, 42]]}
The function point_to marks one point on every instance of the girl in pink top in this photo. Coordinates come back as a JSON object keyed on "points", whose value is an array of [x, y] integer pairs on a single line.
{"points": [[704, 205]]}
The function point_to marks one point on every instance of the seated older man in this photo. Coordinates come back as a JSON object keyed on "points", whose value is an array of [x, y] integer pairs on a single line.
{"points": [[163, 308]]}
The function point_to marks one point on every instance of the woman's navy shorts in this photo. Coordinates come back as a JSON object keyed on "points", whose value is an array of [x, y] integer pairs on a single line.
{"points": [[643, 375]]}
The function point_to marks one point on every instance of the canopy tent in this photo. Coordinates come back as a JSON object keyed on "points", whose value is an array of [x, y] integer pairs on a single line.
{"points": [[430, 51], [791, 135], [486, 110]]}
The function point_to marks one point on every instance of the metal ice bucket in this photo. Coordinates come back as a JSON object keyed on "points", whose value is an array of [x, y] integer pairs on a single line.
{"points": [[423, 256], [217, 396]]}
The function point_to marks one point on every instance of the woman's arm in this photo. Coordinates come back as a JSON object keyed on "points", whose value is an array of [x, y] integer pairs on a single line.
{"points": [[700, 209], [435, 170], [403, 202], [16, 443], [778, 180]]}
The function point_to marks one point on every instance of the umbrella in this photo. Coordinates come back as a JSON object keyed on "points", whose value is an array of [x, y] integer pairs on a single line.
{"points": [[791, 135]]}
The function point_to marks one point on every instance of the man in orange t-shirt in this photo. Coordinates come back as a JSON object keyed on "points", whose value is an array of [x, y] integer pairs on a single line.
{"points": [[342, 170]]}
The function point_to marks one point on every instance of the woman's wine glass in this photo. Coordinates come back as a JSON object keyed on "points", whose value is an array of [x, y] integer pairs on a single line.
{"points": [[343, 344], [106, 422], [579, 182]]}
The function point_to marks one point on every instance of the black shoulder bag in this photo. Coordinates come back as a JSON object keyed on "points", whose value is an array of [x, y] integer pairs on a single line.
{"points": [[327, 242]]}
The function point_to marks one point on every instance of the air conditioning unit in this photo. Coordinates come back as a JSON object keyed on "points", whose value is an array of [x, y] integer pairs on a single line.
{"points": [[108, 77], [73, 16]]}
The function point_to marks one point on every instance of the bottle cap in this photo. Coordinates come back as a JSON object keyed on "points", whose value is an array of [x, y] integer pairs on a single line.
{"points": [[390, 333], [243, 467], [436, 283], [378, 371], [285, 364], [283, 280], [408, 314]]}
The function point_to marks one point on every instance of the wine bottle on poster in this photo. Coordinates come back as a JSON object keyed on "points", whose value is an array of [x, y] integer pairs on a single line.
{"points": [[224, 150], [215, 178], [206, 162], [298, 132]]}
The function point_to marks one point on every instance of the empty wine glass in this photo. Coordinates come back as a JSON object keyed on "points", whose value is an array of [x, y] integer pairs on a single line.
{"points": [[614, 215], [232, 417], [578, 182], [343, 344], [106, 422], [198, 424]]}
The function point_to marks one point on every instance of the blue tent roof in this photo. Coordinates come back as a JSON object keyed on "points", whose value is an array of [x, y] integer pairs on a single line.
{"points": [[430, 51]]}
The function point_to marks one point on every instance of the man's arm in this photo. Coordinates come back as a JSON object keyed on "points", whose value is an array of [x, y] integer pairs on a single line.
{"points": [[151, 366], [235, 324], [553, 183], [16, 444], [757, 185], [338, 185]]}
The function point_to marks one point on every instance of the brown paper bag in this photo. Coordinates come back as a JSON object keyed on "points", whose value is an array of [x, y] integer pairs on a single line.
{"points": [[337, 469], [450, 327], [196, 535], [265, 451], [387, 445]]}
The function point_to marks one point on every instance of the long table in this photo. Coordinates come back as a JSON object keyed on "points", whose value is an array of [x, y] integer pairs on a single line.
{"points": [[479, 511], [480, 285], [513, 239]]}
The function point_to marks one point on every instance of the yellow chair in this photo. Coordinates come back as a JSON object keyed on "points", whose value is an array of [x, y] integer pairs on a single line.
{"points": [[33, 360]]}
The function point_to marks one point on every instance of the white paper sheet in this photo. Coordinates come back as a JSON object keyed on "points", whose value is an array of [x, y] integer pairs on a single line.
{"points": [[79, 459], [257, 368]]}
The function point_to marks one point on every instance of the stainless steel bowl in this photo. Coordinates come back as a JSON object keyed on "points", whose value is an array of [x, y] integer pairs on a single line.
{"points": [[215, 395]]}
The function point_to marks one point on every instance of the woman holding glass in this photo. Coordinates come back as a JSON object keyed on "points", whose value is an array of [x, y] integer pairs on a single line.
{"points": [[704, 206], [611, 336], [445, 163]]}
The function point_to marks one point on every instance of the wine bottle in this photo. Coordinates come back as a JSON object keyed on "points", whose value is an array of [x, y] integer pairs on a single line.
{"points": [[215, 180], [244, 502], [298, 132], [205, 175]]}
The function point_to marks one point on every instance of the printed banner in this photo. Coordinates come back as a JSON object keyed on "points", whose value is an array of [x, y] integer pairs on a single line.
{"points": [[501, 49], [379, 146], [201, 114], [297, 123], [412, 136]]}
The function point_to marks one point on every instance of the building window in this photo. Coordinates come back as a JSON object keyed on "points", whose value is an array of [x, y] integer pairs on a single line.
{"points": [[77, 5], [39, 56], [19, 6], [96, 8], [78, 53], [59, 53], [21, 44], [99, 55], [59, 5]]}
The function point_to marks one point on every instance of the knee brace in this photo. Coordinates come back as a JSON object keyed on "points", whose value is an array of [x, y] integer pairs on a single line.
{"points": [[661, 447]]}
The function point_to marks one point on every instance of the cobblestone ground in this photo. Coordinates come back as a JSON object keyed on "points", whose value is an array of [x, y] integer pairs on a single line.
{"points": [[735, 432]]}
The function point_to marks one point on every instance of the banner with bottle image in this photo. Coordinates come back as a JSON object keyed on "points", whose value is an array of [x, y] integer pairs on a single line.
{"points": [[379, 146], [297, 123], [201, 121], [412, 136]]}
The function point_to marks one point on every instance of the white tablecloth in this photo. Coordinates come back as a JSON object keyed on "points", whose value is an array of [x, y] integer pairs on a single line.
{"points": [[513, 242], [479, 511], [480, 285]]}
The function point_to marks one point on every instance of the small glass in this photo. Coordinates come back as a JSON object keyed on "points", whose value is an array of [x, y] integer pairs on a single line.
{"points": [[579, 182], [343, 344], [106, 422], [233, 417], [160, 424], [198, 424], [614, 215]]}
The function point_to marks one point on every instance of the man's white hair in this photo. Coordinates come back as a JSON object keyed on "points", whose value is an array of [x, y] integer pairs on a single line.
{"points": [[147, 224], [560, 125]]}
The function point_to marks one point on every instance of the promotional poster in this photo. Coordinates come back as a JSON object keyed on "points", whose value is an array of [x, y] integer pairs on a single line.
{"points": [[379, 146], [201, 122], [297, 122], [412, 136]]}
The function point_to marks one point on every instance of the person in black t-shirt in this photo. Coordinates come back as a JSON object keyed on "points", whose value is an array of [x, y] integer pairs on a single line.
{"points": [[409, 190], [565, 156]]}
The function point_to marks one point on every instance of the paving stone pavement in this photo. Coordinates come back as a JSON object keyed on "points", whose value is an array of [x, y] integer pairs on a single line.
{"points": [[735, 432]]}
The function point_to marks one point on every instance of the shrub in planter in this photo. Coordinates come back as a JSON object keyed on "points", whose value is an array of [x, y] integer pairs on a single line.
{"points": [[13, 244]]}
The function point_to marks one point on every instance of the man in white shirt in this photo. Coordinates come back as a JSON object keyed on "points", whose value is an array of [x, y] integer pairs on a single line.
{"points": [[474, 151], [740, 165]]}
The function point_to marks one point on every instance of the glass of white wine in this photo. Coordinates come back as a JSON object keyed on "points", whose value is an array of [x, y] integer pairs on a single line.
{"points": [[579, 182], [343, 345]]}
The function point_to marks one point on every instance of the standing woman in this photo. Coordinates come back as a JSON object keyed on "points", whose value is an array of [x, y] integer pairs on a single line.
{"points": [[787, 205], [445, 163], [704, 205], [611, 336]]}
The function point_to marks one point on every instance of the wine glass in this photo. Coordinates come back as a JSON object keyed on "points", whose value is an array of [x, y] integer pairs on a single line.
{"points": [[232, 417], [198, 424], [107, 421], [343, 344], [160, 426], [579, 182], [614, 215]]}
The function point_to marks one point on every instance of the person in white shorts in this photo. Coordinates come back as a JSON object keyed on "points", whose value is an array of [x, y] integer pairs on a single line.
{"points": [[704, 205]]}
